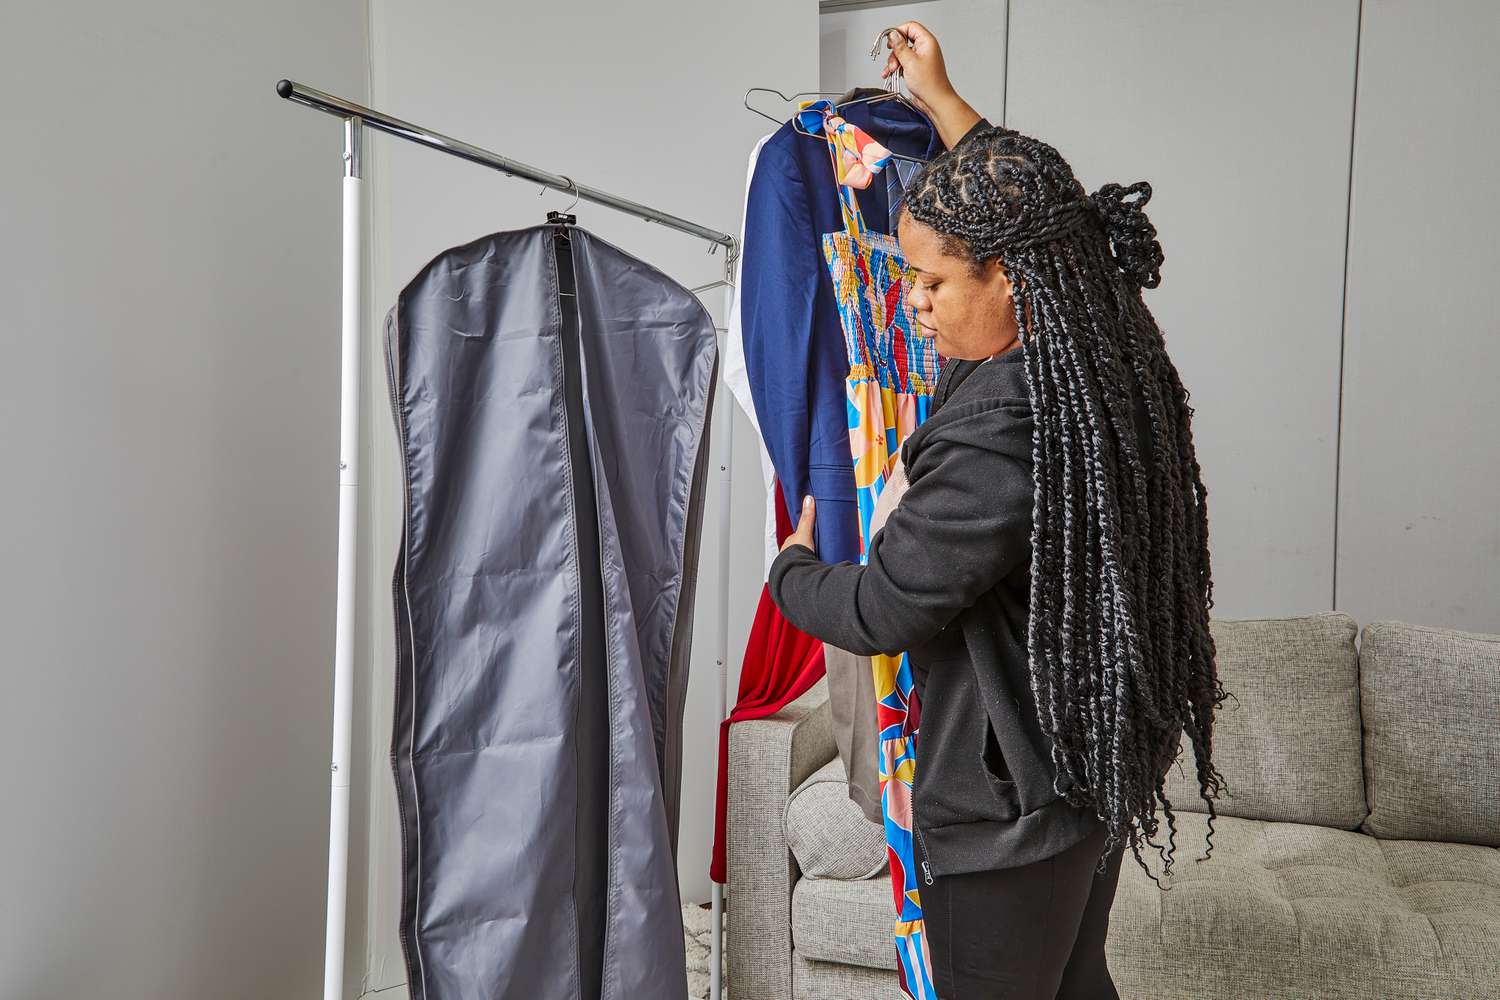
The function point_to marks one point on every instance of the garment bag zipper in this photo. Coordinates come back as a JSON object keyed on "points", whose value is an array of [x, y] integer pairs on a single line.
{"points": [[416, 981], [563, 243]]}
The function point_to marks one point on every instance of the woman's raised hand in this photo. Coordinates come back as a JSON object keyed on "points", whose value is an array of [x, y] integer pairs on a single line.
{"points": [[916, 51]]}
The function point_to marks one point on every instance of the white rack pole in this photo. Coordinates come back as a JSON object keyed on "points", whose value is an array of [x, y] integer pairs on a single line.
{"points": [[725, 424], [343, 643]]}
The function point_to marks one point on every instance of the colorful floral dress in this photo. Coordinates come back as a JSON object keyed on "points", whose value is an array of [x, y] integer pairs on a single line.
{"points": [[892, 373]]}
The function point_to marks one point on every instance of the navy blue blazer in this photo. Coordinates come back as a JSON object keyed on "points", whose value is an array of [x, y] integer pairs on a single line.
{"points": [[794, 346]]}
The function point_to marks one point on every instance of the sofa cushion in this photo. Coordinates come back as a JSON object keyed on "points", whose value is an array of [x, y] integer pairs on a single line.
{"points": [[1277, 910], [825, 980], [1431, 706], [1288, 740], [849, 922], [1287, 910], [828, 833]]}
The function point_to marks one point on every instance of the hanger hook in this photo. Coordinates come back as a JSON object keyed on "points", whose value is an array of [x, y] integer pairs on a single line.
{"points": [[875, 49], [572, 185], [893, 83]]}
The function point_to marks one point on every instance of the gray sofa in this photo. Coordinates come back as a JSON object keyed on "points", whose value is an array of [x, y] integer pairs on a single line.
{"points": [[1355, 854]]}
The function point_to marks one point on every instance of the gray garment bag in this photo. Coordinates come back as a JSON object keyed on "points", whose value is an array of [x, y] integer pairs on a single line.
{"points": [[551, 396]]}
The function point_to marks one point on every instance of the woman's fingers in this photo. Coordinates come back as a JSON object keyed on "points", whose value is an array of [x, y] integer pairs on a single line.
{"points": [[917, 32], [911, 42], [805, 523], [803, 533], [809, 515], [915, 51], [902, 51]]}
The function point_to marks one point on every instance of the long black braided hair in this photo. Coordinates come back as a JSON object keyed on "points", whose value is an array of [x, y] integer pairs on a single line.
{"points": [[1122, 659]]}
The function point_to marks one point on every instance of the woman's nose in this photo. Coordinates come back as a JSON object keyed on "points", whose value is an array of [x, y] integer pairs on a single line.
{"points": [[918, 299]]}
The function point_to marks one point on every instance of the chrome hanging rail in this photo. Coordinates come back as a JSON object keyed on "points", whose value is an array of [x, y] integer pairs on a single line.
{"points": [[390, 125]]}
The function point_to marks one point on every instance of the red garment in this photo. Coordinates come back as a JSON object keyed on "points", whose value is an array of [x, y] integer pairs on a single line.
{"points": [[781, 663]]}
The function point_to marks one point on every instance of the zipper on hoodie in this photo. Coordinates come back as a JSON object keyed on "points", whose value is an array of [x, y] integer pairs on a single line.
{"points": [[926, 865]]}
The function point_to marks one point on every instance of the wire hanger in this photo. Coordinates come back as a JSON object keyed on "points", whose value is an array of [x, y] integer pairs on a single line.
{"points": [[892, 85], [574, 185], [784, 97], [890, 91]]}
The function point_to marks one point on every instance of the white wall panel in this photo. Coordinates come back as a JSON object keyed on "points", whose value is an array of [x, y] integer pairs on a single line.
{"points": [[1419, 497], [1239, 116], [169, 257]]}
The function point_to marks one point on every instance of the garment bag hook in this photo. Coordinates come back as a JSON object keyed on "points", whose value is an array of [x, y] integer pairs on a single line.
{"points": [[572, 185]]}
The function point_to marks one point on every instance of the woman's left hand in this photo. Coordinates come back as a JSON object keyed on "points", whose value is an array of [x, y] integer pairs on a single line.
{"points": [[804, 533]]}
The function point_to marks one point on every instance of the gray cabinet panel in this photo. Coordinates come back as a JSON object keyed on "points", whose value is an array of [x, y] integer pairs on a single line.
{"points": [[1240, 117], [1419, 495]]}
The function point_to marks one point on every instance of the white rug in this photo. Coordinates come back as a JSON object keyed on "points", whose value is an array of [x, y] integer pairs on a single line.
{"points": [[697, 930]]}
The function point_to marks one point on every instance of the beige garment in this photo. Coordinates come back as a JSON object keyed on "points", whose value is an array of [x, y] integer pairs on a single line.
{"points": [[851, 686]]}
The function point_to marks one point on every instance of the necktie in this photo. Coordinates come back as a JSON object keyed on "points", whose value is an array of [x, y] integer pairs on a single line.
{"points": [[894, 189]]}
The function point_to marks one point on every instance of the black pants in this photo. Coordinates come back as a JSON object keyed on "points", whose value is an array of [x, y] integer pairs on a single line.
{"points": [[1033, 932]]}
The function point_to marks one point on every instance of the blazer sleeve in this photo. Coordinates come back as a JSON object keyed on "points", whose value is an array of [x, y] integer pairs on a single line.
{"points": [[778, 293], [963, 525]]}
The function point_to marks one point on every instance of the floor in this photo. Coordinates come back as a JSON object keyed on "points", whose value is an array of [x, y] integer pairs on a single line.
{"points": [[697, 929]]}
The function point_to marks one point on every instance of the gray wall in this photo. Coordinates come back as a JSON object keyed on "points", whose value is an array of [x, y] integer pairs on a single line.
{"points": [[1346, 430], [1250, 170], [972, 34], [639, 99], [168, 431], [1419, 489]]}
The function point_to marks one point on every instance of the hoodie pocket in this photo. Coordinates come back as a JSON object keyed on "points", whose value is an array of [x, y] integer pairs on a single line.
{"points": [[994, 762], [961, 776]]}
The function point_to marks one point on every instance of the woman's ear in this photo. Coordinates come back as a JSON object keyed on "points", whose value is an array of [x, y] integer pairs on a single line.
{"points": [[995, 274], [1005, 292]]}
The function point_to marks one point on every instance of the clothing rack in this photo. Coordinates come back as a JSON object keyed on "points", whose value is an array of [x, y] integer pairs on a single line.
{"points": [[356, 119]]}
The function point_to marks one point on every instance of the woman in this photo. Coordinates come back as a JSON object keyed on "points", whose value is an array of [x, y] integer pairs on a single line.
{"points": [[1045, 562]]}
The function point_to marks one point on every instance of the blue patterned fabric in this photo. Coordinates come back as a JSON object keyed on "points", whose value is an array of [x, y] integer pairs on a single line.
{"points": [[793, 341]]}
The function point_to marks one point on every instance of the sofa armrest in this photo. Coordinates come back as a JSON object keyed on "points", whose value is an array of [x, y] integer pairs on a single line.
{"points": [[768, 758]]}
